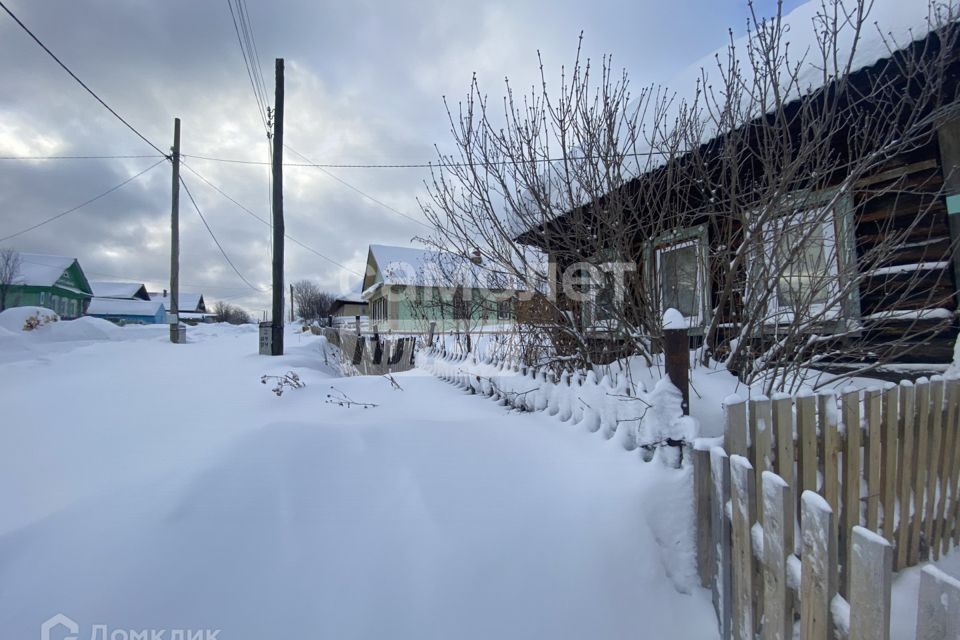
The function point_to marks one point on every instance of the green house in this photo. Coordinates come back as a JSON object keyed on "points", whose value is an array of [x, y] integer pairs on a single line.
{"points": [[54, 282], [407, 289]]}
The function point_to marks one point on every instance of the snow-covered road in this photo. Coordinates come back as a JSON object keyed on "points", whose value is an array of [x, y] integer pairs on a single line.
{"points": [[152, 486]]}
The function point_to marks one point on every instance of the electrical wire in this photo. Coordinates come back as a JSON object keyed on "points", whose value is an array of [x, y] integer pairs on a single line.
{"points": [[83, 204], [265, 221], [251, 73], [217, 242], [82, 83], [79, 157], [362, 193]]}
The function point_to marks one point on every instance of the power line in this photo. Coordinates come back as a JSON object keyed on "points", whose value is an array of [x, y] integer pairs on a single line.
{"points": [[422, 165], [217, 242], [362, 193], [83, 204], [82, 83], [251, 73], [267, 222], [79, 157]]}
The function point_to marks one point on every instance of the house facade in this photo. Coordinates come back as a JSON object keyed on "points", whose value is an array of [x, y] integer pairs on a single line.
{"points": [[191, 307], [125, 303], [407, 289], [867, 264], [54, 282]]}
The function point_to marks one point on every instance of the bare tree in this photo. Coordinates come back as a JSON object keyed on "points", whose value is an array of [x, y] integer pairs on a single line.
{"points": [[312, 303], [780, 207], [10, 265], [226, 312]]}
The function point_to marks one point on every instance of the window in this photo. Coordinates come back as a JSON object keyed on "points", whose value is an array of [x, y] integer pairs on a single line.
{"points": [[378, 309], [807, 251], [680, 272]]}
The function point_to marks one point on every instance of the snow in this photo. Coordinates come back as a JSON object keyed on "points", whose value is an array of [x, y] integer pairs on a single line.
{"points": [[673, 319], [908, 268], [127, 290], [906, 592], [15, 318], [435, 514], [911, 314], [119, 307], [41, 270]]}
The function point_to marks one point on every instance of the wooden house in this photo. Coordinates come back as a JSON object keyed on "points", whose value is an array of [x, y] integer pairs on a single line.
{"points": [[125, 303], [54, 282], [905, 308]]}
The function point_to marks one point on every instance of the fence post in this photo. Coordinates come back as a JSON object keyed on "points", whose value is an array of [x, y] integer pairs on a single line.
{"points": [[947, 494], [720, 526], [920, 455], [743, 508], [871, 580], [807, 436], [938, 606], [818, 577], [761, 423], [778, 536], [951, 523], [676, 356], [888, 471], [358, 351], [931, 532], [872, 402], [735, 429], [702, 479]]}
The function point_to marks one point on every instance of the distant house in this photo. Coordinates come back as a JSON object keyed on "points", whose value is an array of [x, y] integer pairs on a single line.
{"points": [[407, 288], [347, 308], [54, 282], [123, 311], [120, 290], [190, 306], [126, 303]]}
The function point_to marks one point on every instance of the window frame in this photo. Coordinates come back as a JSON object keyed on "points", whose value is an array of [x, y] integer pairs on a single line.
{"points": [[675, 239]]}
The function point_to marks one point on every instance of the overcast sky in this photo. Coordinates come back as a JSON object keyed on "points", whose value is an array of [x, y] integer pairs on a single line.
{"points": [[364, 84]]}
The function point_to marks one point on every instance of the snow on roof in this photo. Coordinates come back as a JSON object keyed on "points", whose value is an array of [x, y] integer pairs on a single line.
{"points": [[42, 270], [120, 307], [410, 266], [119, 290], [185, 302]]}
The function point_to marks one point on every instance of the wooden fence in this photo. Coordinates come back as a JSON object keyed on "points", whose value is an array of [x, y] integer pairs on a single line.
{"points": [[873, 478]]}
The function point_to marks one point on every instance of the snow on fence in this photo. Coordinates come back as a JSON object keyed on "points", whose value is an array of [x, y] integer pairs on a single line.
{"points": [[875, 487], [610, 405], [374, 354]]}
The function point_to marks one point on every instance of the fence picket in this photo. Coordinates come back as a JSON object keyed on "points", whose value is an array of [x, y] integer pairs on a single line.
{"points": [[736, 439], [851, 482], [873, 400], [743, 508], [720, 527], [930, 531], [871, 581], [778, 533], [888, 471], [702, 480], [904, 471], [946, 468], [953, 522], [920, 455], [783, 430], [830, 436], [807, 436], [761, 424], [938, 605], [818, 582]]}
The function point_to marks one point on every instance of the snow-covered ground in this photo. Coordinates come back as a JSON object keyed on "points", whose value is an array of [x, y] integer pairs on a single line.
{"points": [[154, 486]]}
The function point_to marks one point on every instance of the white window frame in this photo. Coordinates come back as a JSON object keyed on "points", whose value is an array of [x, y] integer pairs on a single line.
{"points": [[589, 310]]}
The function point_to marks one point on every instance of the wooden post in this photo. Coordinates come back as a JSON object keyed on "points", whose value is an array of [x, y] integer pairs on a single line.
{"points": [[778, 540], [761, 424], [947, 494], [783, 430], [818, 577], [291, 303], [827, 415], [433, 326], [676, 358], [720, 526], [871, 581], [953, 422], [278, 229], [937, 616], [735, 430], [174, 318], [743, 508]]}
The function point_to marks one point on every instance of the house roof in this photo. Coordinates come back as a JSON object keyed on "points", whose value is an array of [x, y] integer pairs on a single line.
{"points": [[186, 302], [128, 290], [42, 270], [411, 266], [123, 307]]}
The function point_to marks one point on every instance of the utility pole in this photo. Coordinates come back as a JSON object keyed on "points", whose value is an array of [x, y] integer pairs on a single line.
{"points": [[174, 320], [278, 231], [291, 304]]}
